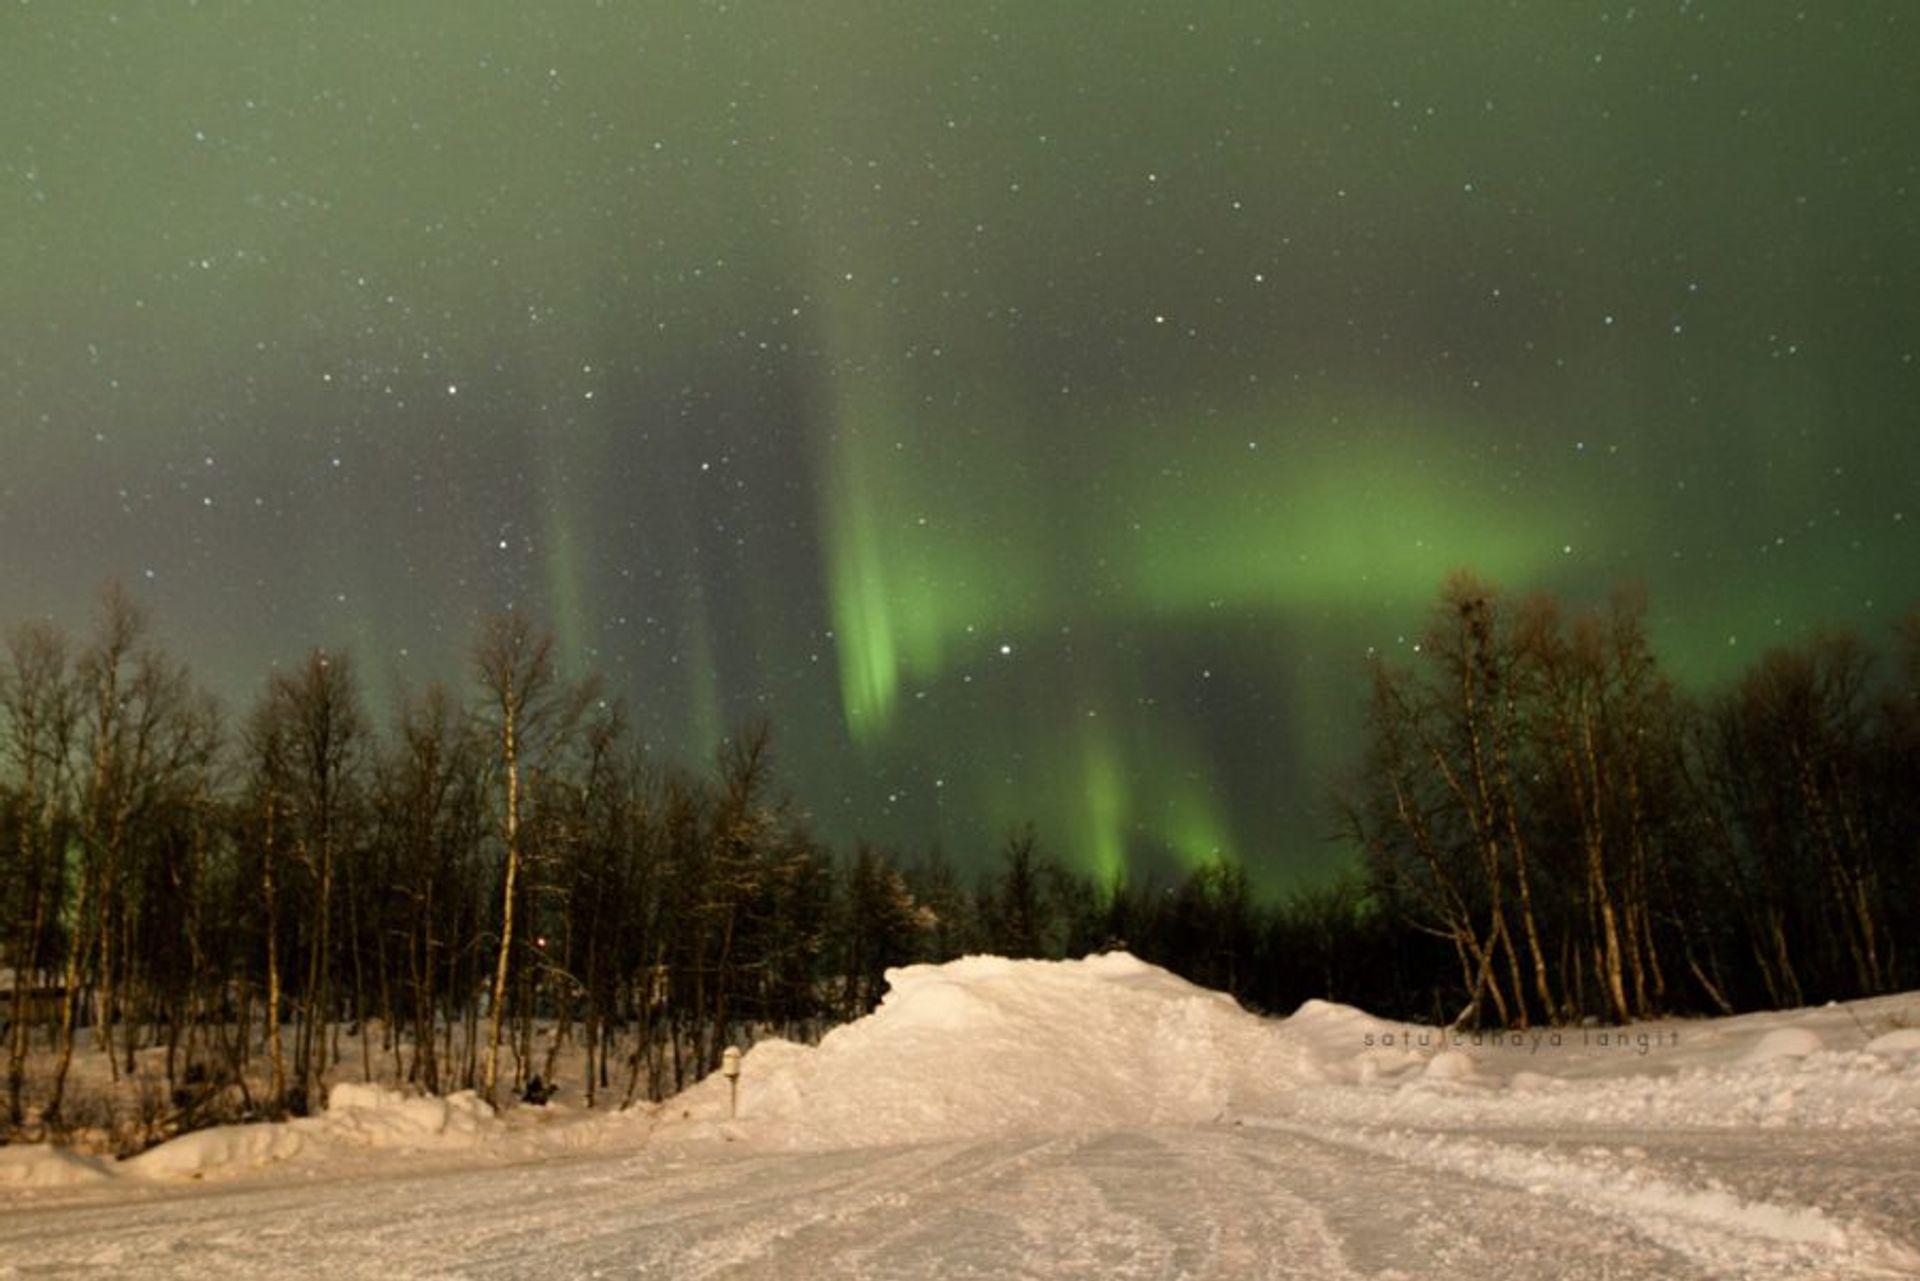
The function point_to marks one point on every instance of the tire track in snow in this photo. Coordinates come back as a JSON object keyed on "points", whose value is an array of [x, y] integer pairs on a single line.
{"points": [[843, 1229], [1111, 1205], [1270, 1198], [1710, 1226]]}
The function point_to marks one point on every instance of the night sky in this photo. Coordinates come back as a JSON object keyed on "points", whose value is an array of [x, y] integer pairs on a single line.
{"points": [[1039, 409]]}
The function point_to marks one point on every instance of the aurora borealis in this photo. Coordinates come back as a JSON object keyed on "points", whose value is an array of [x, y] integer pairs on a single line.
{"points": [[1040, 410]]}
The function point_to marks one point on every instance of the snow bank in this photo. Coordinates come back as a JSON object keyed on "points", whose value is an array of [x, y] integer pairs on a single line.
{"points": [[985, 1045], [42, 1166], [377, 1117], [1824, 1067], [357, 1117]]}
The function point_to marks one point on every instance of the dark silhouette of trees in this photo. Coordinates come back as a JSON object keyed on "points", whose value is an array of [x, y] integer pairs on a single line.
{"points": [[875, 928], [1591, 843], [40, 701], [1016, 915], [495, 887]]}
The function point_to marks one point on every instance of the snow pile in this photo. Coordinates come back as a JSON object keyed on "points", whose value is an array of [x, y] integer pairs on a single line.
{"points": [[357, 1116], [985, 1045], [43, 1166]]}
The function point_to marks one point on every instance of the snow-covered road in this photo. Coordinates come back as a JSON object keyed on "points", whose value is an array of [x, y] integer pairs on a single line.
{"points": [[1267, 1198]]}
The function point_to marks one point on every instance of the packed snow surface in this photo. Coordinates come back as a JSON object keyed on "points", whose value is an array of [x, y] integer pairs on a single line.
{"points": [[1097, 1118]]}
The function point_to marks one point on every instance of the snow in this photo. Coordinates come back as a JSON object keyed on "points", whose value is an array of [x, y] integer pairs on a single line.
{"points": [[1784, 1043], [1905, 1040], [40, 1166], [1098, 1117], [977, 1047], [357, 1116]]}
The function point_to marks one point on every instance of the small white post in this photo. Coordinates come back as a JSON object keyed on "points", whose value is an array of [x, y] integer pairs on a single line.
{"points": [[730, 1068]]}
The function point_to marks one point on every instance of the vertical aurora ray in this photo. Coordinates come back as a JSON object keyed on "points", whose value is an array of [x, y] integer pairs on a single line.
{"points": [[912, 582], [1100, 829], [566, 594], [859, 588], [929, 542], [705, 725], [1145, 791]]}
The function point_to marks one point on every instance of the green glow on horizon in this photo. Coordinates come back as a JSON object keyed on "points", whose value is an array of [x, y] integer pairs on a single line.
{"points": [[1194, 825], [1116, 789]]}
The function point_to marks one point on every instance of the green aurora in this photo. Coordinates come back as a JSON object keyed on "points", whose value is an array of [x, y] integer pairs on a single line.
{"points": [[1040, 411]]}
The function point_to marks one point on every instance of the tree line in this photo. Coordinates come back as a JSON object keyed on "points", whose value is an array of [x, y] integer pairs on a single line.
{"points": [[231, 915], [1581, 839], [238, 896]]}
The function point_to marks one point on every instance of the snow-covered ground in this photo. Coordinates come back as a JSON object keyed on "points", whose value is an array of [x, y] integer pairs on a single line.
{"points": [[1096, 1118]]}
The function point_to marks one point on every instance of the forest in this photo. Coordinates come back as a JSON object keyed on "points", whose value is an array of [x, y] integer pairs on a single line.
{"points": [[231, 915]]}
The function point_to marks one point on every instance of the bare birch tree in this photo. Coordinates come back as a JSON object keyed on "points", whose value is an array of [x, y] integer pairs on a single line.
{"points": [[40, 704], [529, 711]]}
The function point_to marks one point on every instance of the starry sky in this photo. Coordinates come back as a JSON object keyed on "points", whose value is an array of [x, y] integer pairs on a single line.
{"points": [[1039, 409]]}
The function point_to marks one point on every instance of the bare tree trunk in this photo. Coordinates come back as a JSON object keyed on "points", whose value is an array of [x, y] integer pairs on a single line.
{"points": [[276, 1056], [129, 1001], [359, 985], [511, 764], [1707, 985], [1523, 883], [19, 1027], [17, 1039], [1789, 995], [317, 1015], [69, 997], [643, 1031], [516, 669]]}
